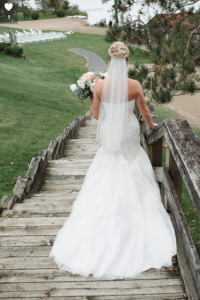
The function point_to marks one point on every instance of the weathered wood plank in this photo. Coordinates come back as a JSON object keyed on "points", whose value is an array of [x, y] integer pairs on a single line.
{"points": [[12, 222], [33, 214], [184, 269], [185, 148], [155, 134], [114, 287], [139, 297], [183, 231], [64, 171], [53, 275], [60, 192], [17, 241], [71, 166], [67, 207], [69, 179], [65, 185], [59, 200], [31, 231]]}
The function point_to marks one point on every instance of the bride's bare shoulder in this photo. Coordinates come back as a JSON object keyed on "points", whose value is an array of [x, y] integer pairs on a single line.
{"points": [[134, 82], [99, 85]]}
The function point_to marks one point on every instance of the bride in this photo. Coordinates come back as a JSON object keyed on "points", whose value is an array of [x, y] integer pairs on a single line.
{"points": [[118, 226]]}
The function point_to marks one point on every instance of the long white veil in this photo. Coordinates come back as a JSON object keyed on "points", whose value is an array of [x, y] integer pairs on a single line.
{"points": [[113, 110]]}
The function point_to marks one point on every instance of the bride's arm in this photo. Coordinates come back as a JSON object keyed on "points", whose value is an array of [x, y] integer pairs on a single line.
{"points": [[141, 103], [95, 102]]}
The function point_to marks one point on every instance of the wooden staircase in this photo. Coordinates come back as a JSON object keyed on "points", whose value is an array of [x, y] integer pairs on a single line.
{"points": [[28, 231]]}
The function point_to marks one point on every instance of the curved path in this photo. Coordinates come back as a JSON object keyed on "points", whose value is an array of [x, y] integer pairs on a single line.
{"points": [[95, 62]]}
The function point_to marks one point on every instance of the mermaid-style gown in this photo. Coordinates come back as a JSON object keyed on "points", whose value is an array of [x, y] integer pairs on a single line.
{"points": [[118, 226]]}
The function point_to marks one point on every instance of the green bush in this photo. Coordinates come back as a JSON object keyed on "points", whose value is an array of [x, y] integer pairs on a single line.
{"points": [[13, 50], [35, 15], [102, 23], [27, 14], [75, 10], [60, 13], [3, 45]]}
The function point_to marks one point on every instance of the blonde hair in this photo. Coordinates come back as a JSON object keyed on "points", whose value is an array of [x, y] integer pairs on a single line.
{"points": [[117, 50]]}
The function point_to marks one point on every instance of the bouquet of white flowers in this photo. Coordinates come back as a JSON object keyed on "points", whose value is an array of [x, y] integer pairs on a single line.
{"points": [[84, 87]]}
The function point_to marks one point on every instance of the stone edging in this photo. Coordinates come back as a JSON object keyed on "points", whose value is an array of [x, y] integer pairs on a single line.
{"points": [[27, 185]]}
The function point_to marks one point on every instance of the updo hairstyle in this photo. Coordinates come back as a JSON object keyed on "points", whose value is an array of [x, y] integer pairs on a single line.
{"points": [[117, 50]]}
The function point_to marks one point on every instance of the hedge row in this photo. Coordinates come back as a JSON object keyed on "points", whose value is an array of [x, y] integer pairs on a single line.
{"points": [[13, 50]]}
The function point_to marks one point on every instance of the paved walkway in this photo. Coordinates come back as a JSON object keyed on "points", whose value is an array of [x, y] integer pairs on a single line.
{"points": [[95, 62]]}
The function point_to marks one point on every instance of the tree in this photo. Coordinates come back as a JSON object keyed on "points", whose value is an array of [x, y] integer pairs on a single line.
{"points": [[55, 4], [171, 38], [24, 6], [43, 5], [115, 7], [66, 5]]}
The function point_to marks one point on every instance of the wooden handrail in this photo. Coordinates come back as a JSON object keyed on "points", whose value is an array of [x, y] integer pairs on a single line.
{"points": [[185, 148], [182, 162]]}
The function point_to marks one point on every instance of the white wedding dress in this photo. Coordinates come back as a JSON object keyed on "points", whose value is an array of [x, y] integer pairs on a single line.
{"points": [[118, 226]]}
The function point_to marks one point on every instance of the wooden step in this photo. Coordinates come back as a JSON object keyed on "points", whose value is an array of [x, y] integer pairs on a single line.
{"points": [[92, 288], [52, 275]]}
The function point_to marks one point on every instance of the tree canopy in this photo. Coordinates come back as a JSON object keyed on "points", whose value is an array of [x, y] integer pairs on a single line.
{"points": [[171, 37]]}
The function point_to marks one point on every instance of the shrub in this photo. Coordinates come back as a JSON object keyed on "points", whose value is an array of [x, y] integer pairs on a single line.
{"points": [[60, 13], [74, 10], [27, 14], [35, 15], [102, 23], [13, 50], [3, 45]]}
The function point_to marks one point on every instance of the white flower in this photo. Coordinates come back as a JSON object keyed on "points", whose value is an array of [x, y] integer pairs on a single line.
{"points": [[91, 74], [83, 79], [81, 84], [73, 87], [88, 83], [92, 86]]}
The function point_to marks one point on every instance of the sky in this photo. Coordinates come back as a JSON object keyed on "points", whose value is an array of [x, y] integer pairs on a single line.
{"points": [[95, 15]]}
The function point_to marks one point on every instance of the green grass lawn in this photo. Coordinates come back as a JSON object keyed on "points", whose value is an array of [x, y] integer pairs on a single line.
{"points": [[41, 17], [20, 17], [36, 104]]}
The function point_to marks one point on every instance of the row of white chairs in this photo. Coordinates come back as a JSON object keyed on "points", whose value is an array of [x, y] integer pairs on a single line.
{"points": [[30, 37], [4, 38]]}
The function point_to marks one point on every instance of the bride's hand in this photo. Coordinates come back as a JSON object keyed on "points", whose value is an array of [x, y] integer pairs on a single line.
{"points": [[152, 126]]}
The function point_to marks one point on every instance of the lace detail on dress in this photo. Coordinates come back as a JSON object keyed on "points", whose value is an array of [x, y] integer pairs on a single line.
{"points": [[130, 144]]}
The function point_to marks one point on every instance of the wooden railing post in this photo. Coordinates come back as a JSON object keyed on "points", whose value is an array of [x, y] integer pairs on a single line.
{"points": [[175, 176], [155, 154], [142, 127]]}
